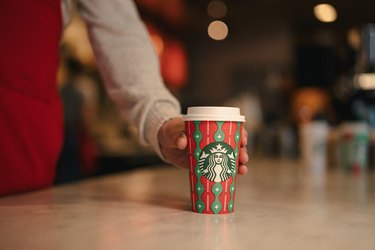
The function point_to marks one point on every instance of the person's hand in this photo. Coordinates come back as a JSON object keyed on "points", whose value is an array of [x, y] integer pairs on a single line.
{"points": [[173, 143]]}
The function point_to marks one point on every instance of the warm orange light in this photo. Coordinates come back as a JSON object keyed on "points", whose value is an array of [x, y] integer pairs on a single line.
{"points": [[308, 102], [325, 13], [156, 37], [172, 55], [354, 38], [158, 43], [305, 113], [218, 30], [174, 64]]}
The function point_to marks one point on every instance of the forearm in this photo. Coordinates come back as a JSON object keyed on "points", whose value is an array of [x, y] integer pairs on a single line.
{"points": [[129, 65]]}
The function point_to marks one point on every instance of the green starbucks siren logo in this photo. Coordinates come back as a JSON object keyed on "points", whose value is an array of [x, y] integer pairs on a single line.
{"points": [[217, 161]]}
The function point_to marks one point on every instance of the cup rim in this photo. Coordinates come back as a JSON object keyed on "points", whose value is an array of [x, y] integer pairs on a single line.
{"points": [[213, 113]]}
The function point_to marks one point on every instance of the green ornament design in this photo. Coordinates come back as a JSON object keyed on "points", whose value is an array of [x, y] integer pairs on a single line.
{"points": [[199, 188], [237, 138], [197, 138], [361, 144], [219, 134], [216, 206]]}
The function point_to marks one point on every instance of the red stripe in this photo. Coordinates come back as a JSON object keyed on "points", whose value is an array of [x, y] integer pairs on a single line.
{"points": [[208, 129], [192, 161]]}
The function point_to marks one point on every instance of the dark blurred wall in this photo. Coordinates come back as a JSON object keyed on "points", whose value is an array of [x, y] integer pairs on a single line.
{"points": [[260, 50]]}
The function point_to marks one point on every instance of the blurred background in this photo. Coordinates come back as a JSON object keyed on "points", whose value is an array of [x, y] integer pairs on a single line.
{"points": [[284, 63]]}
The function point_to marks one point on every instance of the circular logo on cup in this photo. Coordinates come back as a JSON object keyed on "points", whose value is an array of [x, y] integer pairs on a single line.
{"points": [[217, 161]]}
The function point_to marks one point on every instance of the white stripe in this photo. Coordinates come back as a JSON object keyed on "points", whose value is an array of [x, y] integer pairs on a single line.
{"points": [[208, 132], [208, 198]]}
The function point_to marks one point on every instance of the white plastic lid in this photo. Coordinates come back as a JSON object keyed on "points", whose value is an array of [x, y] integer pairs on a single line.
{"points": [[210, 113]]}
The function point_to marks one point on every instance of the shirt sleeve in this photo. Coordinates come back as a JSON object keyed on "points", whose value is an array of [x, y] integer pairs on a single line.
{"points": [[129, 66]]}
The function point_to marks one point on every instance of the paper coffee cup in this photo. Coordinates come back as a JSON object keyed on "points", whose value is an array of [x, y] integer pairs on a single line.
{"points": [[313, 144], [354, 143], [214, 135]]}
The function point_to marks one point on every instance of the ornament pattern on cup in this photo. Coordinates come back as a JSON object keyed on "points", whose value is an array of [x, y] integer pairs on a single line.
{"points": [[210, 138]]}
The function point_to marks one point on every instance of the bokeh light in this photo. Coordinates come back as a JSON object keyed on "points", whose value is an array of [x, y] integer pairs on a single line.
{"points": [[325, 13], [158, 43], [217, 9], [218, 30]]}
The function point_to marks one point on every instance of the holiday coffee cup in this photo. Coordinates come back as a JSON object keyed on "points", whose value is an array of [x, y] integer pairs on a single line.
{"points": [[214, 135], [354, 143]]}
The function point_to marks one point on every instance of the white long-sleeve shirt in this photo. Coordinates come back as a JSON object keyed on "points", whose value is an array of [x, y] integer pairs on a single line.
{"points": [[128, 64]]}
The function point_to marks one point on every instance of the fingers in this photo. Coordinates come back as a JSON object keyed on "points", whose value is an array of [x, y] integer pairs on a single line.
{"points": [[242, 169], [181, 142], [173, 142], [244, 156], [172, 134], [244, 136]]}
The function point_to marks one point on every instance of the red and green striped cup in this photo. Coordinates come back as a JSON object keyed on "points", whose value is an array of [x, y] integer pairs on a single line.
{"points": [[214, 135]]}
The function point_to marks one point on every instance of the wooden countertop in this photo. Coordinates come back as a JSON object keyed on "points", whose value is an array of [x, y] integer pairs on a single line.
{"points": [[279, 205]]}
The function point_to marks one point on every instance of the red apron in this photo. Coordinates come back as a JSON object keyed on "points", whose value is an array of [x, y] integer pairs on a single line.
{"points": [[31, 129]]}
